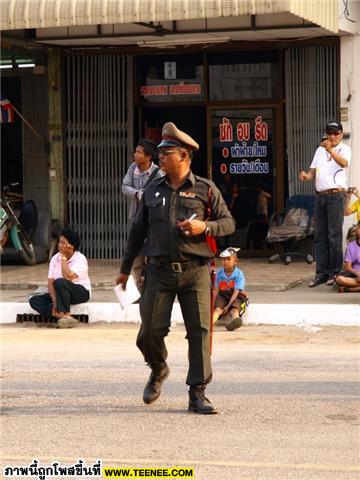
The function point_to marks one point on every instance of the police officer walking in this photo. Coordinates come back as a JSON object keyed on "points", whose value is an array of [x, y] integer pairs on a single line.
{"points": [[171, 224]]}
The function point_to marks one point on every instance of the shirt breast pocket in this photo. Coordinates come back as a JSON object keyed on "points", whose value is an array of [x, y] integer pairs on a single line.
{"points": [[157, 212], [190, 206]]}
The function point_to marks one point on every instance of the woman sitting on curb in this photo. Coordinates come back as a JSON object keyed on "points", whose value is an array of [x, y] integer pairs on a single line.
{"points": [[349, 279], [68, 282]]}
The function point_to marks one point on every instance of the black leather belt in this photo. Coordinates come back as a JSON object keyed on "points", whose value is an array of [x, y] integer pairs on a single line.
{"points": [[177, 267]]}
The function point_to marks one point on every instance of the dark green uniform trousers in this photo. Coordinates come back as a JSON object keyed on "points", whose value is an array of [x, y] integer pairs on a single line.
{"points": [[193, 290]]}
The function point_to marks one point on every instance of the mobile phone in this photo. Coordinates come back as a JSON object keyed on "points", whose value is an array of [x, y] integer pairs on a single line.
{"points": [[324, 137]]}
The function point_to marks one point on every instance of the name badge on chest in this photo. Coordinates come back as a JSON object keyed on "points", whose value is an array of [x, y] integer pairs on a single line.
{"points": [[187, 194]]}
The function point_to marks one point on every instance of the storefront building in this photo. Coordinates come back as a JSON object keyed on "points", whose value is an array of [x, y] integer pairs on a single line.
{"points": [[255, 90]]}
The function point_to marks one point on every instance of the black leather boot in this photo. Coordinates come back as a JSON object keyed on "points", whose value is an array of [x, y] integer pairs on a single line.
{"points": [[152, 389], [198, 402]]}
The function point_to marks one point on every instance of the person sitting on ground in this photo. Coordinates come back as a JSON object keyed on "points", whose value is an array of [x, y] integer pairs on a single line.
{"points": [[231, 299], [350, 209], [68, 282], [349, 279]]}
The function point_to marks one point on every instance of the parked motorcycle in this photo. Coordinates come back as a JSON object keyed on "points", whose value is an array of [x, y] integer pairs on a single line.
{"points": [[11, 226]]}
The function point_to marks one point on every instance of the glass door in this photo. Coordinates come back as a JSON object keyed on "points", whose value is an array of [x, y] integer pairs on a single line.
{"points": [[190, 119], [243, 148]]}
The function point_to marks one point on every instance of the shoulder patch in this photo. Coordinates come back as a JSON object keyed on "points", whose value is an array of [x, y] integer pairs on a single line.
{"points": [[208, 182], [157, 180]]}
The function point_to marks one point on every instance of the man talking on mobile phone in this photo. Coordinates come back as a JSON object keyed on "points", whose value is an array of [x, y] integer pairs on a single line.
{"points": [[329, 165]]}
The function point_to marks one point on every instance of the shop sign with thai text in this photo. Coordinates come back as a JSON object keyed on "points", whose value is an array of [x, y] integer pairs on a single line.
{"points": [[247, 151], [174, 89]]}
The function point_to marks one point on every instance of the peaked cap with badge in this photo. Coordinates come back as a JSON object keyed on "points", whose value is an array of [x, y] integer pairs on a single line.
{"points": [[173, 137]]}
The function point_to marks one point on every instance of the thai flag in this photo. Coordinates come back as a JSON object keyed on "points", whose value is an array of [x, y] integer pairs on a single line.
{"points": [[7, 111]]}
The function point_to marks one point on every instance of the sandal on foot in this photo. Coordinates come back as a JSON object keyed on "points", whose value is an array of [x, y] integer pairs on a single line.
{"points": [[67, 322], [317, 281]]}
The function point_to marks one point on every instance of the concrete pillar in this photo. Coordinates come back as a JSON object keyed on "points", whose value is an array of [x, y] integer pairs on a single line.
{"points": [[350, 100], [56, 164], [350, 107]]}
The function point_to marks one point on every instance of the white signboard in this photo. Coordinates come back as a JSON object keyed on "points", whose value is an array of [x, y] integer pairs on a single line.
{"points": [[169, 70]]}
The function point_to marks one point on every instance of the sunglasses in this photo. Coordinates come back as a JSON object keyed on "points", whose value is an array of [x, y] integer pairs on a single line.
{"points": [[170, 151], [335, 134], [165, 151]]}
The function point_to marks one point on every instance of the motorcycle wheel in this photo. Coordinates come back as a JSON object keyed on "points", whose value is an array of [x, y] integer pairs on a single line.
{"points": [[27, 251]]}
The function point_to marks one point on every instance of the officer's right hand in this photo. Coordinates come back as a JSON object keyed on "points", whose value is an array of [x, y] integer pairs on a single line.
{"points": [[122, 279], [191, 228]]}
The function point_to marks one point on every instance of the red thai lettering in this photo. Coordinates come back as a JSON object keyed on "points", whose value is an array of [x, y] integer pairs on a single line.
{"points": [[150, 90], [185, 89], [261, 129], [226, 130], [243, 131]]}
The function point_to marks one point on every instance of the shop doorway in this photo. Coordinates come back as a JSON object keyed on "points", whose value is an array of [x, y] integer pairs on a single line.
{"points": [[191, 120], [246, 168], [11, 137]]}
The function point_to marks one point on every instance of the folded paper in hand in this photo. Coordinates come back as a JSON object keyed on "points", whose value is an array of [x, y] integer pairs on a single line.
{"points": [[128, 296]]}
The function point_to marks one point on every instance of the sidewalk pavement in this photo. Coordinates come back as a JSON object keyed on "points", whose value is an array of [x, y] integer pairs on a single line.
{"points": [[278, 295]]}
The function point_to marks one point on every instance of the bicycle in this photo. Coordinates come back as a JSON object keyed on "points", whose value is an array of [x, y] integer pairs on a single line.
{"points": [[11, 226]]}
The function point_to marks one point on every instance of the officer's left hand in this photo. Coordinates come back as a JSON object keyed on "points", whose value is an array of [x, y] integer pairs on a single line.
{"points": [[191, 228], [122, 279]]}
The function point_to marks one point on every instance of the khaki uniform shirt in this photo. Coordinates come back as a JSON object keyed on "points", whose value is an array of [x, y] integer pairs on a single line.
{"points": [[154, 226]]}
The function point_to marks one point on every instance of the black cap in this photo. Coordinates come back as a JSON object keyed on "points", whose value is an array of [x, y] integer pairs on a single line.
{"points": [[334, 126]]}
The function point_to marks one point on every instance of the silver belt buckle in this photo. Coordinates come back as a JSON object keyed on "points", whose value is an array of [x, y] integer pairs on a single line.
{"points": [[176, 267]]}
